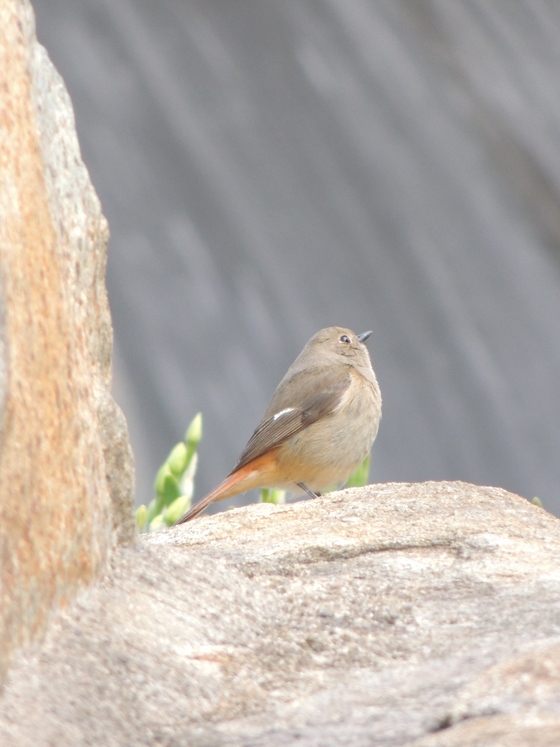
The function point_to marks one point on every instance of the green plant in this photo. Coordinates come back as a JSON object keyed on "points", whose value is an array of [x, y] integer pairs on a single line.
{"points": [[273, 495], [360, 476], [174, 483]]}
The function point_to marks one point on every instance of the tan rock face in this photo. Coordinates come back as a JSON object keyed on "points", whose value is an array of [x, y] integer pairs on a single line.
{"points": [[66, 479], [393, 615]]}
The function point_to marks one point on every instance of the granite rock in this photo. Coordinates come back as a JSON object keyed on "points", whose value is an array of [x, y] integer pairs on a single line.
{"points": [[400, 614], [66, 471]]}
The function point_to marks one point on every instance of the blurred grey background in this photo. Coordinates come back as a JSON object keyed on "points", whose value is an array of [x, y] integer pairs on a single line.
{"points": [[269, 168]]}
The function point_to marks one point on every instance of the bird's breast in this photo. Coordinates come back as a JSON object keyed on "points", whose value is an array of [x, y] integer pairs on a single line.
{"points": [[327, 452]]}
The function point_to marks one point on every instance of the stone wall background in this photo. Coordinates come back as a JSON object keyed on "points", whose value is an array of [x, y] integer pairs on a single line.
{"points": [[269, 169]]}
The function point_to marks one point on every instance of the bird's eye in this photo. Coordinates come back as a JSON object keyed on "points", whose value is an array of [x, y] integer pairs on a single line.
{"points": [[344, 338]]}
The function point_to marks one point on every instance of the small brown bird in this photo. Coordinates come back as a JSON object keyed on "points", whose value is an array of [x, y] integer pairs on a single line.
{"points": [[319, 425]]}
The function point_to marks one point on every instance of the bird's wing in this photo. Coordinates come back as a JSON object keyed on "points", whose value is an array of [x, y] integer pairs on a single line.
{"points": [[282, 422]]}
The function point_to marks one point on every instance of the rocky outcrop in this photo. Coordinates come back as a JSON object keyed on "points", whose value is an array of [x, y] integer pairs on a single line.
{"points": [[66, 475], [423, 615]]}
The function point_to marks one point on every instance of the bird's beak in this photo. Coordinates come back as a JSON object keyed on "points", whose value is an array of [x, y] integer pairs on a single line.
{"points": [[363, 337]]}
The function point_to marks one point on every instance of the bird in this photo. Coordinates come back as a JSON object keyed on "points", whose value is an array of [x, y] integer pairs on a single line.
{"points": [[319, 426]]}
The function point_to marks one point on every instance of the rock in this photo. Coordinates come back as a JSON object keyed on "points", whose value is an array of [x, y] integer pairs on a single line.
{"points": [[399, 614], [66, 474]]}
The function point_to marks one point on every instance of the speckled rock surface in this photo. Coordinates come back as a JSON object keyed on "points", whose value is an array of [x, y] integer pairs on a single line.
{"points": [[396, 614], [66, 473]]}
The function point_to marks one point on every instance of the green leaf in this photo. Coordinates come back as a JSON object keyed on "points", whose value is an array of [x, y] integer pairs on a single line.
{"points": [[163, 471], [171, 490], [360, 476], [187, 485], [153, 510], [157, 524], [537, 502], [193, 436], [174, 512], [265, 495], [278, 496], [141, 516], [177, 460], [273, 495], [194, 431]]}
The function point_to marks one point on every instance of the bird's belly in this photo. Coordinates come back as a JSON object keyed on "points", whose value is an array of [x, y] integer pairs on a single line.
{"points": [[327, 452]]}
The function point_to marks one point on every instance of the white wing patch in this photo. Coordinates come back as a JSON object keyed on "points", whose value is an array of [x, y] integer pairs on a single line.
{"points": [[283, 412]]}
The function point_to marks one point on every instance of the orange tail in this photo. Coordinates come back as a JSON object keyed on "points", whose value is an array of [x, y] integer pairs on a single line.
{"points": [[256, 474], [252, 475], [222, 491]]}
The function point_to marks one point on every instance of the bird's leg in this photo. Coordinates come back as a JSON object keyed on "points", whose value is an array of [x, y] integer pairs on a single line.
{"points": [[310, 493]]}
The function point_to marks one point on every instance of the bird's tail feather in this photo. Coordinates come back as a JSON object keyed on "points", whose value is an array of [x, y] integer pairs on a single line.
{"points": [[230, 486]]}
